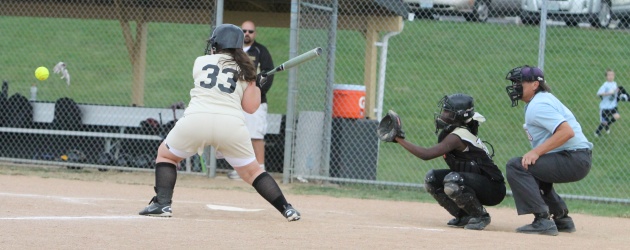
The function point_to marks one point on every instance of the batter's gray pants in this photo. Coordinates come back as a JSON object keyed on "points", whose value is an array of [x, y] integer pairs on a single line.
{"points": [[532, 188]]}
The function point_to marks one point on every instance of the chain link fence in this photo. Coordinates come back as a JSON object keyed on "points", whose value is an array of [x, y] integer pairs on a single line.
{"points": [[130, 62]]}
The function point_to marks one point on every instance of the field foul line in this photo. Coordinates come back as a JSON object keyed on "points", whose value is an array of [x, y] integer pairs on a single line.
{"points": [[406, 228], [80, 200], [63, 198], [74, 218], [85, 201], [232, 209]]}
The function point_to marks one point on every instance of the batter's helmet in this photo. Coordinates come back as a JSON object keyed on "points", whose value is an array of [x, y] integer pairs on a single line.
{"points": [[225, 36]]}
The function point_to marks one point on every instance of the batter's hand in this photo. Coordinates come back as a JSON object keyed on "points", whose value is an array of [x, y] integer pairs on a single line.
{"points": [[261, 80], [529, 159]]}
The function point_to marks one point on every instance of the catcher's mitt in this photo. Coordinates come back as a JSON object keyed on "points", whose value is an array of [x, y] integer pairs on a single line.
{"points": [[390, 127]]}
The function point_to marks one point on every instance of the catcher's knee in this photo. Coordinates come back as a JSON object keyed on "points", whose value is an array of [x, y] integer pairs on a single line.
{"points": [[430, 182], [453, 183]]}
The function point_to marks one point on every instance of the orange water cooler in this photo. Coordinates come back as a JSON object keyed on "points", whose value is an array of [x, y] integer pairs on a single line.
{"points": [[348, 101]]}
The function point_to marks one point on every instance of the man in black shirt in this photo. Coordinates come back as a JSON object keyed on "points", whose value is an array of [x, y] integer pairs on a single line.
{"points": [[257, 122]]}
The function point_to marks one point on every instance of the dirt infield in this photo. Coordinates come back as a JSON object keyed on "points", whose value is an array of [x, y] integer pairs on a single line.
{"points": [[53, 213]]}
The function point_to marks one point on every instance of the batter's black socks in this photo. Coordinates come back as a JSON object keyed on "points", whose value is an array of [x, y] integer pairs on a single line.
{"points": [[165, 177], [267, 187]]}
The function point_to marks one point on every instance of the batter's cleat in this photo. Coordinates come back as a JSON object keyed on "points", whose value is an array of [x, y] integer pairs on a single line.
{"points": [[156, 209], [290, 213], [459, 221], [607, 131], [478, 223], [541, 225], [564, 224]]}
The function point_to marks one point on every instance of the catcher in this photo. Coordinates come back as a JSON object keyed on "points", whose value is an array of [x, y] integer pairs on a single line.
{"points": [[472, 180]]}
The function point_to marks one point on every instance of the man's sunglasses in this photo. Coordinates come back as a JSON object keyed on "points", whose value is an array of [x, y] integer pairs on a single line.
{"points": [[249, 31]]}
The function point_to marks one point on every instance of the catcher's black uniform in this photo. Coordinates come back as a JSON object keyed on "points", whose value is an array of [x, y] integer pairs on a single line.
{"points": [[480, 175], [472, 180]]}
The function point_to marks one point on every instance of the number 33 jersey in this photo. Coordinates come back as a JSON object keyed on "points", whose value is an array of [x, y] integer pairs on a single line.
{"points": [[217, 88]]}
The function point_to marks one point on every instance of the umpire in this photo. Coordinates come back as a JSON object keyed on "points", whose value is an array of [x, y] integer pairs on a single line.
{"points": [[560, 154]]}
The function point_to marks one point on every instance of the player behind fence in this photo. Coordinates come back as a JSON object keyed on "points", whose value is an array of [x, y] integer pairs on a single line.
{"points": [[472, 179], [610, 94]]}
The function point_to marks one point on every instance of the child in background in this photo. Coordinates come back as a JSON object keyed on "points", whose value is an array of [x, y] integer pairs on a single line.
{"points": [[608, 105]]}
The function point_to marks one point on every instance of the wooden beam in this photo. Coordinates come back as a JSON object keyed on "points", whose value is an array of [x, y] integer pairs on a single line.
{"points": [[126, 29], [380, 23], [373, 28], [369, 71], [139, 63]]}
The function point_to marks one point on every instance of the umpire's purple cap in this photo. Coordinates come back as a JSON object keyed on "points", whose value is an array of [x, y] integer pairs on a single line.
{"points": [[531, 74]]}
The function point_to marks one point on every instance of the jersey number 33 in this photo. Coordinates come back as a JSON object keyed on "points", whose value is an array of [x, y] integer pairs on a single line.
{"points": [[212, 78]]}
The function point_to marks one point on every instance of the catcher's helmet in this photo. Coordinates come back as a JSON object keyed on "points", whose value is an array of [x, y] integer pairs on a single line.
{"points": [[455, 109], [225, 36]]}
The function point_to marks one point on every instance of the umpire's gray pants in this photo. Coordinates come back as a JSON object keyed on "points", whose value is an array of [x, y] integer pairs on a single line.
{"points": [[532, 188]]}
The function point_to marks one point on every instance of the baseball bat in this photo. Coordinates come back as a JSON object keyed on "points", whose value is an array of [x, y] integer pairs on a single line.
{"points": [[310, 55]]}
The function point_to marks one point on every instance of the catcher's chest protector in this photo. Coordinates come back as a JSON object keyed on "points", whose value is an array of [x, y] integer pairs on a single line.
{"points": [[474, 160]]}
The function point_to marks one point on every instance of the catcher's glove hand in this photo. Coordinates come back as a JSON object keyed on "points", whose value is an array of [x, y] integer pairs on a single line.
{"points": [[390, 127], [261, 80]]}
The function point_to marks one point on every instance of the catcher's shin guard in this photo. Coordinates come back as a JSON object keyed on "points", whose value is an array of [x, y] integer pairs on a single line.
{"points": [[448, 204], [479, 217], [466, 200], [436, 191], [470, 204]]}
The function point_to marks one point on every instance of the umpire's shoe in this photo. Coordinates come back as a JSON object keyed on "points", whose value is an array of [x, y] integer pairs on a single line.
{"points": [[478, 223], [541, 225], [564, 224], [156, 209], [290, 213]]}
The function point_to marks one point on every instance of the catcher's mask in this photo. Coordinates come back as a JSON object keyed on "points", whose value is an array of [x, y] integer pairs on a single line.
{"points": [[455, 109], [519, 75], [225, 36]]}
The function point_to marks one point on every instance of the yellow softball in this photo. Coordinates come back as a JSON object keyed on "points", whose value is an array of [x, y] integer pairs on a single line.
{"points": [[41, 73]]}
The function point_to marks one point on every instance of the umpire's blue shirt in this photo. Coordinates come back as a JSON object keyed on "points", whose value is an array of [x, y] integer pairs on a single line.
{"points": [[543, 114]]}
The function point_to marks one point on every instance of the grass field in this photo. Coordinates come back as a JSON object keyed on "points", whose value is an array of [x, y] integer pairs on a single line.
{"points": [[427, 60]]}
